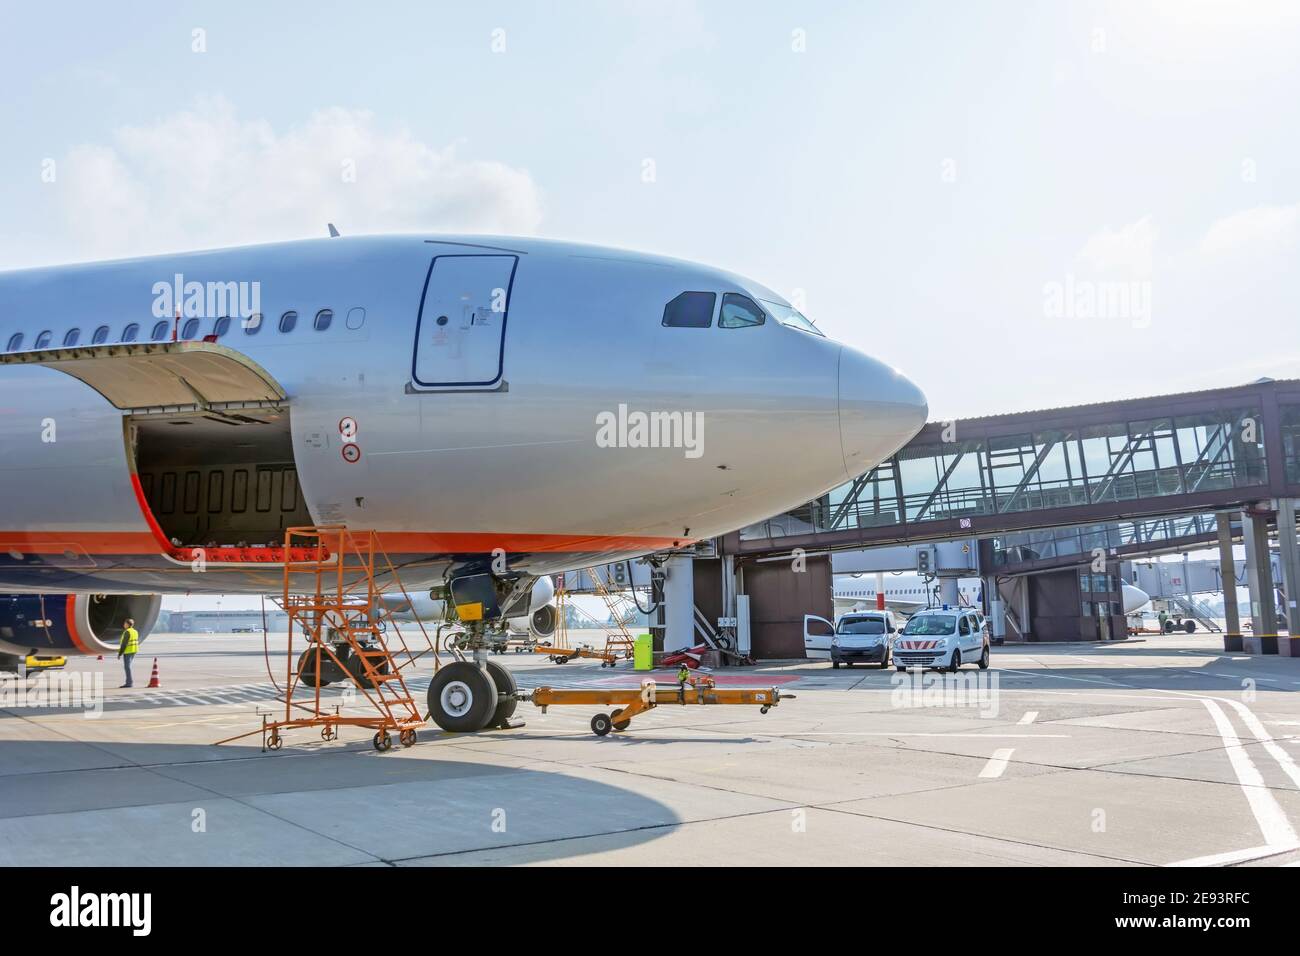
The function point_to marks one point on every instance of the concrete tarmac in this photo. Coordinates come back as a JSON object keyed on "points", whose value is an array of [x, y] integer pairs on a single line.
{"points": [[1162, 752]]}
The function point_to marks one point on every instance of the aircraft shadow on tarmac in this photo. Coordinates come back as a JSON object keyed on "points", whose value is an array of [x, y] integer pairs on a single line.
{"points": [[112, 803]]}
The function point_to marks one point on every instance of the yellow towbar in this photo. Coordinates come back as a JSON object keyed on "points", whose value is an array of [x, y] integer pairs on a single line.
{"points": [[634, 700]]}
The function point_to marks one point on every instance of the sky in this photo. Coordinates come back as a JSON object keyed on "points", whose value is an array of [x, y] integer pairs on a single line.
{"points": [[1019, 204]]}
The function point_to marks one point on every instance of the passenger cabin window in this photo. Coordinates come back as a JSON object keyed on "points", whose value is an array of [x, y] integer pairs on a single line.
{"points": [[222, 326], [253, 324], [739, 312], [159, 331], [131, 332], [288, 321], [190, 329], [15, 342], [100, 336], [71, 337], [323, 319], [690, 310]]}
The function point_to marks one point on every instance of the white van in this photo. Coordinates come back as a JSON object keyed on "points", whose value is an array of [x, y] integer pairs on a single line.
{"points": [[945, 639], [860, 637]]}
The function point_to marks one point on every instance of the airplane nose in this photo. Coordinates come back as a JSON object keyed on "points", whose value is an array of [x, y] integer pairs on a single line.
{"points": [[880, 409]]}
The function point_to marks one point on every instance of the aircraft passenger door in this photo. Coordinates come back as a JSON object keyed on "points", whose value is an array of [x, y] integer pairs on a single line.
{"points": [[461, 329]]}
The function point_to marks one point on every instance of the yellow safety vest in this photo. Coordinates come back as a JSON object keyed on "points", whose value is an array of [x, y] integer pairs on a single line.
{"points": [[130, 641]]}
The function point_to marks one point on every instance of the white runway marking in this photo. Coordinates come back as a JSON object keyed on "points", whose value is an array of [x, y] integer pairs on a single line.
{"points": [[997, 763], [1029, 717], [1272, 820], [1238, 856]]}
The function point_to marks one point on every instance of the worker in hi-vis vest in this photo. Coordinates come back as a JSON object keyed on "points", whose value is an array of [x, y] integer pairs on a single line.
{"points": [[126, 650]]}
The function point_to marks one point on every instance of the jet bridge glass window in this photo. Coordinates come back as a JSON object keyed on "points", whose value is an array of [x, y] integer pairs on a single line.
{"points": [[15, 342], [739, 312], [159, 331], [71, 338], [690, 310]]}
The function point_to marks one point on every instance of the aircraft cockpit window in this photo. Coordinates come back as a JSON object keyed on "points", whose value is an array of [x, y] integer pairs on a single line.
{"points": [[15, 342], [222, 326], [739, 312], [71, 338], [159, 331], [100, 336], [130, 332], [791, 317], [690, 310], [190, 329], [253, 324], [43, 340], [288, 321], [323, 319]]}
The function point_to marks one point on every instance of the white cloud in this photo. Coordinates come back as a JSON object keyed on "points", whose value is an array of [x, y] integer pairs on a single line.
{"points": [[206, 177], [1126, 250], [1264, 224]]}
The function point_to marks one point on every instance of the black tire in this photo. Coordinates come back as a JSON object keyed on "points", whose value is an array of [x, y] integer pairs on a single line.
{"points": [[1189, 626], [984, 659], [884, 661], [358, 670], [1169, 627], [601, 724], [956, 661], [619, 725], [462, 697], [835, 665], [307, 668], [506, 690]]}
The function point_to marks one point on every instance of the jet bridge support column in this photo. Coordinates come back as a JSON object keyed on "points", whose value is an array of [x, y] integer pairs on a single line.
{"points": [[1259, 576], [679, 603], [1289, 554], [1228, 578]]}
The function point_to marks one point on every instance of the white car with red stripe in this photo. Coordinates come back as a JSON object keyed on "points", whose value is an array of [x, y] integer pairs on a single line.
{"points": [[945, 638]]}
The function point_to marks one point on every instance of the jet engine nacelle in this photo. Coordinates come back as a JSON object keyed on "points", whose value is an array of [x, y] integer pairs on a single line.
{"points": [[72, 624]]}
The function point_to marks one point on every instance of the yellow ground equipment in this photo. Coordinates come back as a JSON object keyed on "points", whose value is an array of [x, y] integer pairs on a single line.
{"points": [[37, 663], [633, 700]]}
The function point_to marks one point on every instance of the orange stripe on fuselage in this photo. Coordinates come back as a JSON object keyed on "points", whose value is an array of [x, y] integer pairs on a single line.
{"points": [[394, 542]]}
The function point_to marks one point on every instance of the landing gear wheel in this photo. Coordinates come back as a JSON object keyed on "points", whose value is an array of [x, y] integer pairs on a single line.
{"points": [[620, 725], [984, 659], [382, 740], [956, 662], [407, 737], [462, 697], [506, 690], [601, 725], [307, 668]]}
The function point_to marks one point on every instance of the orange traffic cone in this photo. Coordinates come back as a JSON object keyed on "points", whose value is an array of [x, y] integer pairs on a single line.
{"points": [[153, 678], [100, 657]]}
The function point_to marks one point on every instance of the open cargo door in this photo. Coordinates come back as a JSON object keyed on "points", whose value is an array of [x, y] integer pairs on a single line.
{"points": [[208, 442]]}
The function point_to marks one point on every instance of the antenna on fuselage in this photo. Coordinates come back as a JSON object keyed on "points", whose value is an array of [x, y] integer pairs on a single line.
{"points": [[334, 233]]}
